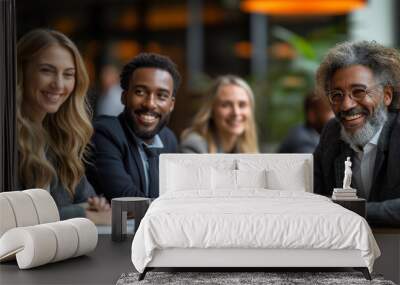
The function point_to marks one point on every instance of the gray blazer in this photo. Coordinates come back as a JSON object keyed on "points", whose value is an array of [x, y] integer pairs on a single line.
{"points": [[194, 143], [69, 207]]}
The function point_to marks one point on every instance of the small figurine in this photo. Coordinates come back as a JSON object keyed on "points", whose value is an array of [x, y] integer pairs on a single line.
{"points": [[345, 193], [347, 174]]}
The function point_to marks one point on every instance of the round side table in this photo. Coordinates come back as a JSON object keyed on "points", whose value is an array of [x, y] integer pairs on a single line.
{"points": [[120, 208]]}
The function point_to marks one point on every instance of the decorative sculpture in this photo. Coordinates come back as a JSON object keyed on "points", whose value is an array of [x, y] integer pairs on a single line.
{"points": [[31, 231], [347, 174], [347, 192]]}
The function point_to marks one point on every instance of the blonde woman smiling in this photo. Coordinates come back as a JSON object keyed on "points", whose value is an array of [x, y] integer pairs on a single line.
{"points": [[225, 123], [53, 123]]}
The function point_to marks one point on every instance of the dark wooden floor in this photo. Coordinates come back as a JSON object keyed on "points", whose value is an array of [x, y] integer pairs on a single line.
{"points": [[102, 266]]}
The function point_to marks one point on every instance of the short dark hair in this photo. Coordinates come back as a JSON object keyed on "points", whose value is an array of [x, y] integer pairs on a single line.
{"points": [[313, 101], [150, 60]]}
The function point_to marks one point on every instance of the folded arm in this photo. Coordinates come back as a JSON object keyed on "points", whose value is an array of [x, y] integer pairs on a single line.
{"points": [[385, 213]]}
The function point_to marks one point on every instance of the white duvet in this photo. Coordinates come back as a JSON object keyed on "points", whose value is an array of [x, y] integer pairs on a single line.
{"points": [[252, 218]]}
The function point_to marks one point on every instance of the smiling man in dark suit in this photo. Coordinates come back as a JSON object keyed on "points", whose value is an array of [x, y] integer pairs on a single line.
{"points": [[126, 148], [361, 81]]}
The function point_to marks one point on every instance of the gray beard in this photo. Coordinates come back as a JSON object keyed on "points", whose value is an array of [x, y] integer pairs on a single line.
{"points": [[372, 125]]}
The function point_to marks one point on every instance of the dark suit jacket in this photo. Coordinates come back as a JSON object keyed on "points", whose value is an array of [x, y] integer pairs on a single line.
{"points": [[383, 206], [115, 168], [300, 139]]}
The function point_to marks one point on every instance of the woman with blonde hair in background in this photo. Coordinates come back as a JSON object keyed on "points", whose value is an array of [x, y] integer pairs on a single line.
{"points": [[225, 123], [53, 123]]}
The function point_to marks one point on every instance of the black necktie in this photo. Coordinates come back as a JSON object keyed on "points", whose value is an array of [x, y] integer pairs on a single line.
{"points": [[152, 157]]}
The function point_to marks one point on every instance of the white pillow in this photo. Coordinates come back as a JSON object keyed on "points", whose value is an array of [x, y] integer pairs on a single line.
{"points": [[224, 179], [281, 174], [292, 179], [182, 177], [201, 160], [251, 178]]}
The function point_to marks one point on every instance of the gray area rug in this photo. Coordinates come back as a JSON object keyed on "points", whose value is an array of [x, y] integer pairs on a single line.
{"points": [[273, 278]]}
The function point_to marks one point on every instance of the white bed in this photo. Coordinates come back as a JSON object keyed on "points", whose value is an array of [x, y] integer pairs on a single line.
{"points": [[241, 210]]}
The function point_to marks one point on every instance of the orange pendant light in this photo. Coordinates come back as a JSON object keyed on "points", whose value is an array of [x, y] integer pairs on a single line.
{"points": [[301, 7]]}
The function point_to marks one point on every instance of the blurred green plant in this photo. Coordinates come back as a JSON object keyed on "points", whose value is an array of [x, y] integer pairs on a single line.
{"points": [[293, 61]]}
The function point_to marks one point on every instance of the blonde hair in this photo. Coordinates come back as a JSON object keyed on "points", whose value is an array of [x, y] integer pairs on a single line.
{"points": [[57, 148], [204, 125]]}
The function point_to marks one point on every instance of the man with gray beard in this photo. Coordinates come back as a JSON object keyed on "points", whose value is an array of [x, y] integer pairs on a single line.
{"points": [[360, 80]]}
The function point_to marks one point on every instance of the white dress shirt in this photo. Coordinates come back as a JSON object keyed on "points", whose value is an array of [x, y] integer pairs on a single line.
{"points": [[364, 163]]}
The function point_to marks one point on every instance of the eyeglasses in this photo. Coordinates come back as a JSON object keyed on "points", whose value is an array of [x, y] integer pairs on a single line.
{"points": [[356, 93]]}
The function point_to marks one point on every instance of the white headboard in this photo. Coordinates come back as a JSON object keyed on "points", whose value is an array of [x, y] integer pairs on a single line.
{"points": [[233, 159]]}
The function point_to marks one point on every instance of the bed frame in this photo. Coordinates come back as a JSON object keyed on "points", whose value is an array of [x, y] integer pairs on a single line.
{"points": [[242, 259]]}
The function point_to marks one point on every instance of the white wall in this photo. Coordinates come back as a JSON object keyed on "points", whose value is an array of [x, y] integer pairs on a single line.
{"points": [[374, 22]]}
